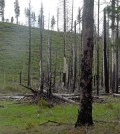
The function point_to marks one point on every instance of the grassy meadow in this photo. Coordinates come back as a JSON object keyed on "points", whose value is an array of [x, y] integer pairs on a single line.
{"points": [[14, 46], [14, 53], [18, 117], [24, 118]]}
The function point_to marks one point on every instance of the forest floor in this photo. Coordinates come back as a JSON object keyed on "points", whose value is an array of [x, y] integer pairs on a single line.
{"points": [[24, 117]]}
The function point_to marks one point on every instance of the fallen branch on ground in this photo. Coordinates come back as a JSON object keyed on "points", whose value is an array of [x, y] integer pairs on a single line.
{"points": [[53, 94], [31, 89], [101, 121], [56, 122]]}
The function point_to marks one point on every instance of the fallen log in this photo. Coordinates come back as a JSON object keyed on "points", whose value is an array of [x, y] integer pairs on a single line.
{"points": [[116, 95], [53, 94], [74, 97], [64, 99], [58, 96], [67, 95]]}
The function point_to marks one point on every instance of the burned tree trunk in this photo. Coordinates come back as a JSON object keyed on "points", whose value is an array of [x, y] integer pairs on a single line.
{"points": [[41, 44], [98, 51], [29, 55], [117, 37], [55, 72], [85, 109], [65, 71], [113, 47], [106, 77], [50, 73], [74, 59]]}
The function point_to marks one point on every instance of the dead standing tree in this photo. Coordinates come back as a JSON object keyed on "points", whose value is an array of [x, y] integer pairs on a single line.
{"points": [[79, 20], [106, 72], [113, 47], [85, 109], [65, 68], [113, 15], [41, 24], [28, 15], [48, 57], [117, 41], [98, 51], [65, 17], [74, 58], [58, 12]]}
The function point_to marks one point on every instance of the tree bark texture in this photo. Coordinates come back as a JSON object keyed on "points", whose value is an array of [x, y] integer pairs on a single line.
{"points": [[85, 109], [113, 47], [106, 77], [65, 68], [98, 51], [41, 47], [117, 43]]}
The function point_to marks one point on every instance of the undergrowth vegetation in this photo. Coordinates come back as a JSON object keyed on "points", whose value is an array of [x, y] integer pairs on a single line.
{"points": [[17, 118]]}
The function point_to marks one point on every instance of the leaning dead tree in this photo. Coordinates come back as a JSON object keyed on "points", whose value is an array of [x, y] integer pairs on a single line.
{"points": [[85, 109]]}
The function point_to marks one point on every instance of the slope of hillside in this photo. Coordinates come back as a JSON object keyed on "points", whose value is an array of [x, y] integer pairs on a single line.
{"points": [[14, 52], [14, 46]]}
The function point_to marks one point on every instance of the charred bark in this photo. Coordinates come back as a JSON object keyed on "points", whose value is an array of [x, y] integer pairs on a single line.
{"points": [[117, 37], [65, 71], [106, 77], [41, 53], [74, 59], [85, 110], [98, 52]]}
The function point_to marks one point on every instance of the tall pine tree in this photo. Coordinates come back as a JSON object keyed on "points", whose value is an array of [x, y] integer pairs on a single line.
{"points": [[2, 7], [17, 10]]}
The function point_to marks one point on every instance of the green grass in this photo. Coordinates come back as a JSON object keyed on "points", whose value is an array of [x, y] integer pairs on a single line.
{"points": [[29, 117], [108, 111], [14, 53], [14, 114], [24, 118]]}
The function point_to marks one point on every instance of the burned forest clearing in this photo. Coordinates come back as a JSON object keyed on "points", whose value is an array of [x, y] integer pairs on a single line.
{"points": [[60, 72], [28, 116]]}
